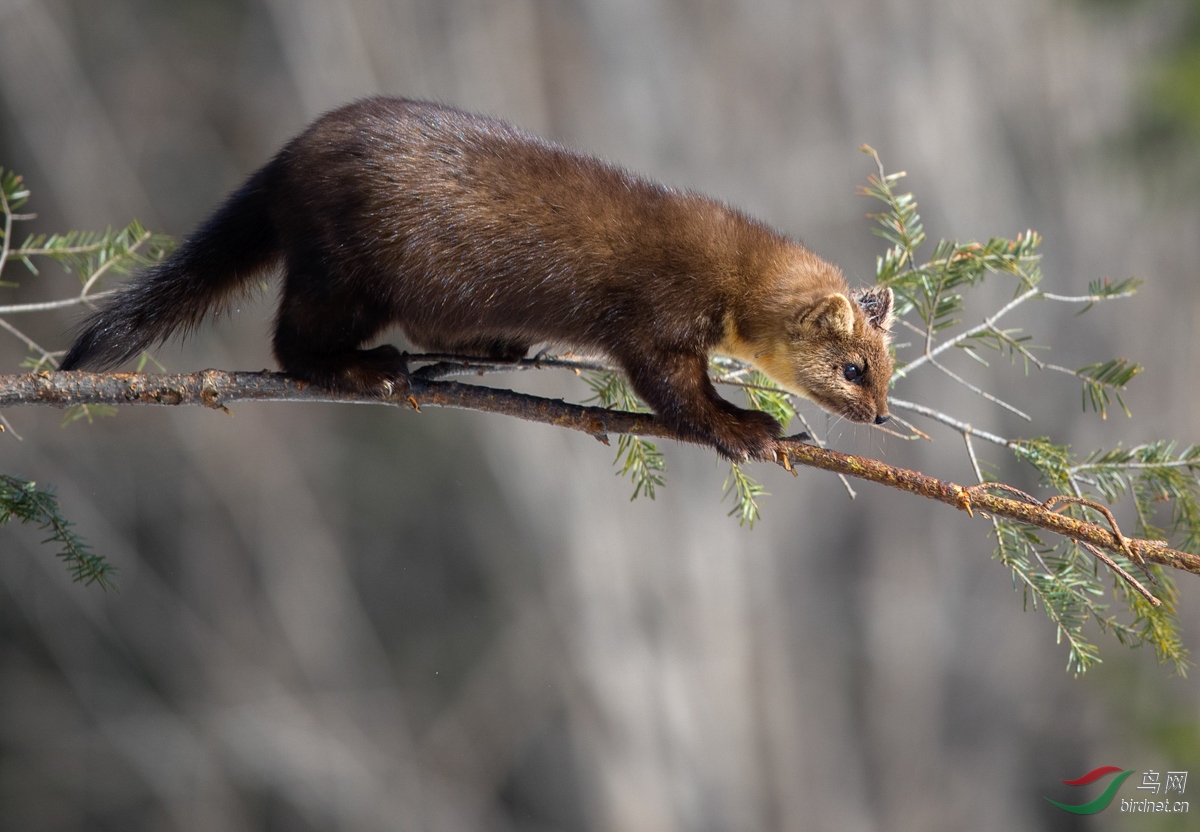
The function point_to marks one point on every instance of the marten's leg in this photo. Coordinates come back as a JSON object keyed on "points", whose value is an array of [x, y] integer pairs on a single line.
{"points": [[678, 388], [318, 330]]}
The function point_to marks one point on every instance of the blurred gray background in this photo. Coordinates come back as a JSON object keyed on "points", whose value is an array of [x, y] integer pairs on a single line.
{"points": [[359, 618]]}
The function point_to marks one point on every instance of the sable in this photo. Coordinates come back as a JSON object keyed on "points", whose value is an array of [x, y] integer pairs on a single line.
{"points": [[477, 238]]}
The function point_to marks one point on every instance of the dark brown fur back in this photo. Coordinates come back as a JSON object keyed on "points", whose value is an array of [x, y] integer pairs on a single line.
{"points": [[501, 234], [475, 237]]}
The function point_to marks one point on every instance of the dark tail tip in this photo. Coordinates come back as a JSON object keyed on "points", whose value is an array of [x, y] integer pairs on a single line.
{"points": [[236, 242], [114, 334], [99, 348], [83, 350], [77, 356]]}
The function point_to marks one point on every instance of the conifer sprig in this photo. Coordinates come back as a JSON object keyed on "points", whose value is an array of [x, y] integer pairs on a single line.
{"points": [[24, 501], [746, 494], [1063, 578], [643, 462], [90, 255]]}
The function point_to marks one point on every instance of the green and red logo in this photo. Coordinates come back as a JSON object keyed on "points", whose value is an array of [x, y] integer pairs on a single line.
{"points": [[1105, 798]]}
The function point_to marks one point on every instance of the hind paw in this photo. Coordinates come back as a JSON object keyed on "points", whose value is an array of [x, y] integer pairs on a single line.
{"points": [[381, 372]]}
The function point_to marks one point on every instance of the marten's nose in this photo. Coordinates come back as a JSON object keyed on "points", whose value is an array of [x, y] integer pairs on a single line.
{"points": [[882, 418]]}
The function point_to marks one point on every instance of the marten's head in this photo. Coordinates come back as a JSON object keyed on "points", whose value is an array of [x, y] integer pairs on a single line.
{"points": [[834, 350]]}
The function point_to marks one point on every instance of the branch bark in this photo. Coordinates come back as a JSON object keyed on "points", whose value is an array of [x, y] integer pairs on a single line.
{"points": [[218, 388]]}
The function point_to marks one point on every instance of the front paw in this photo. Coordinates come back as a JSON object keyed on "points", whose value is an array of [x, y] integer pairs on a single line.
{"points": [[748, 434]]}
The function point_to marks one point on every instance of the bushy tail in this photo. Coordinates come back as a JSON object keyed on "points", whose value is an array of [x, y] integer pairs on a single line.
{"points": [[235, 243]]}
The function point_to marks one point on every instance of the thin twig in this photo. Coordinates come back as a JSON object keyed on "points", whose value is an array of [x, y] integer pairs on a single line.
{"points": [[1028, 355], [983, 484], [29, 342], [83, 293], [990, 322], [1125, 576], [979, 391], [950, 421], [916, 433], [1135, 466], [43, 251], [47, 306], [1087, 298], [1058, 500], [1112, 521], [8, 221], [6, 427], [820, 444], [966, 435]]}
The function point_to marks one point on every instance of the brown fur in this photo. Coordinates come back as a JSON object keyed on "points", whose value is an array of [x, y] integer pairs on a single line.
{"points": [[477, 238]]}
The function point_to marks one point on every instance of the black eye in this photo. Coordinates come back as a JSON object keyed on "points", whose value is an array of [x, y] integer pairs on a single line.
{"points": [[853, 373]]}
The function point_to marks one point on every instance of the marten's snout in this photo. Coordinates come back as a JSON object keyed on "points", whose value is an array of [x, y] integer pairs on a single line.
{"points": [[882, 418]]}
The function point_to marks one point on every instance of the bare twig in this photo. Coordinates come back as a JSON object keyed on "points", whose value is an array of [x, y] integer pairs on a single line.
{"points": [[6, 247], [979, 391], [218, 388], [1125, 576], [29, 342], [6, 427], [1136, 466], [816, 440], [946, 419], [47, 306], [990, 323]]}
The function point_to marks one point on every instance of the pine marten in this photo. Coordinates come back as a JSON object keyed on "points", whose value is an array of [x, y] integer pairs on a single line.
{"points": [[477, 238]]}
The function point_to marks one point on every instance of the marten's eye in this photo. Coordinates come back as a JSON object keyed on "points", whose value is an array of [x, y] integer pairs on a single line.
{"points": [[853, 372]]}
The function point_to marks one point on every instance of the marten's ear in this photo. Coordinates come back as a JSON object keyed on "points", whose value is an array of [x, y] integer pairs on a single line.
{"points": [[831, 316], [876, 303]]}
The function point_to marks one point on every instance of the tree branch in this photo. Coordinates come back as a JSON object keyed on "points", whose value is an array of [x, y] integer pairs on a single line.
{"points": [[218, 388]]}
